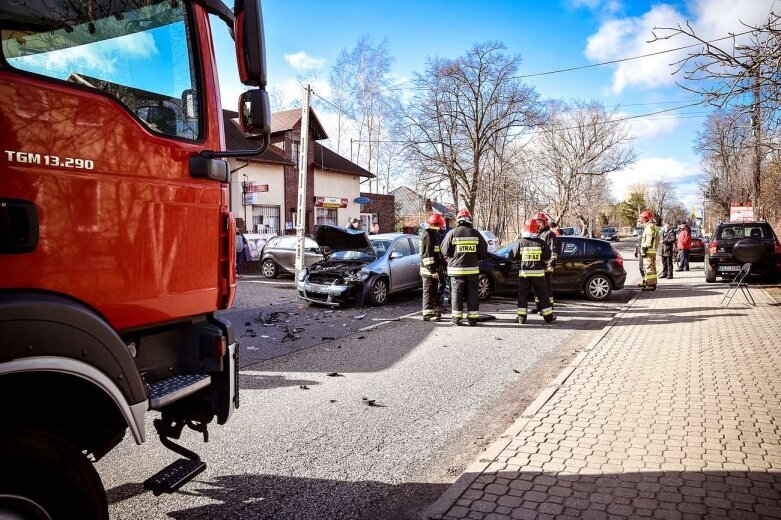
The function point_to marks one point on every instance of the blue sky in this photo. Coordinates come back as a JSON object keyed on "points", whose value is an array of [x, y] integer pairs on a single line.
{"points": [[306, 36]]}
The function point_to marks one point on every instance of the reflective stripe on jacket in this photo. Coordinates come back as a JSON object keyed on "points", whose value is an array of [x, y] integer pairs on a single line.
{"points": [[533, 254], [430, 255], [650, 239], [464, 247]]}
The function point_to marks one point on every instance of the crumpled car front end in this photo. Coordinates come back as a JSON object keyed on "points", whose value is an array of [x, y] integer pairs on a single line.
{"points": [[340, 277]]}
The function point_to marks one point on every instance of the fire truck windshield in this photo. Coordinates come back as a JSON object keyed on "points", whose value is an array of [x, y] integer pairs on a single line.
{"points": [[140, 53]]}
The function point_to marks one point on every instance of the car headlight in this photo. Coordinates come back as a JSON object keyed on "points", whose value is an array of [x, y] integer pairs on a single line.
{"points": [[359, 276], [302, 275]]}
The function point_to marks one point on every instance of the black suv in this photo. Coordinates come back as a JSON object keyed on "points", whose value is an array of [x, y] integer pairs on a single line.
{"points": [[736, 243]]}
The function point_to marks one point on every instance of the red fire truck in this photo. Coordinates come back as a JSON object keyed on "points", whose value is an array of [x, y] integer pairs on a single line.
{"points": [[116, 243]]}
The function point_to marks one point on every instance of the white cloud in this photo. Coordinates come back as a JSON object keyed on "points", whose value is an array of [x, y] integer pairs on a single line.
{"points": [[645, 127], [651, 169], [624, 37], [302, 61]]}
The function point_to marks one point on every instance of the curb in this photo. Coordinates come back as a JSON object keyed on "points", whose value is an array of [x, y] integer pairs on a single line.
{"points": [[448, 499]]}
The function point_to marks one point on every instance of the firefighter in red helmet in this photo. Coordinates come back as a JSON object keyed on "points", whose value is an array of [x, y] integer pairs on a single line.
{"points": [[549, 237], [464, 247], [533, 254], [431, 267]]}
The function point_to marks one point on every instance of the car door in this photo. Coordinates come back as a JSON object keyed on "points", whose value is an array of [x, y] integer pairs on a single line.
{"points": [[400, 267], [566, 277], [285, 253], [311, 252], [416, 280]]}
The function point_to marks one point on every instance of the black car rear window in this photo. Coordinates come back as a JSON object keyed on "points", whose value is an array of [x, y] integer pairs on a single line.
{"points": [[593, 249], [571, 248], [738, 231]]}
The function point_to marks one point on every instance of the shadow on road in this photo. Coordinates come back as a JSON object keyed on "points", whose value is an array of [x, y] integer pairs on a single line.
{"points": [[671, 494]]}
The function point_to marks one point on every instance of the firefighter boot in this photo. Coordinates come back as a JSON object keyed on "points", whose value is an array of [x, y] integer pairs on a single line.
{"points": [[520, 319], [472, 322], [550, 318], [456, 321]]}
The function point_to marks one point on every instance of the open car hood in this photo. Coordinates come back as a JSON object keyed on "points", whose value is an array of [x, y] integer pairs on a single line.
{"points": [[332, 239]]}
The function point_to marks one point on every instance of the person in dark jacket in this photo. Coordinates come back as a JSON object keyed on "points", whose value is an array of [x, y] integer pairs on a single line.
{"points": [[547, 235], [533, 254], [667, 249], [464, 247], [431, 267]]}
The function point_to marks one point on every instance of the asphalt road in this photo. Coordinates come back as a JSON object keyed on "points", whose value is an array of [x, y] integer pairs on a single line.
{"points": [[307, 445]]}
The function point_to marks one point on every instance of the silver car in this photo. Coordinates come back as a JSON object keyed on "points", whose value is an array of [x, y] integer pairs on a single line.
{"points": [[361, 269], [279, 255]]}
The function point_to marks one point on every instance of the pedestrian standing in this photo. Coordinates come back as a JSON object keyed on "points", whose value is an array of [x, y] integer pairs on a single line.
{"points": [[549, 237], [684, 246], [464, 247], [667, 249], [239, 250], [355, 224], [648, 245], [431, 266], [533, 253]]}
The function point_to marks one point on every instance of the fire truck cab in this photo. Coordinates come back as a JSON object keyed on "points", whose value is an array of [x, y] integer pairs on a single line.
{"points": [[116, 243]]}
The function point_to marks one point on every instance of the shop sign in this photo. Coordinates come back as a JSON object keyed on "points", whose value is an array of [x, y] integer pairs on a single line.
{"points": [[363, 200], [252, 187], [331, 202]]}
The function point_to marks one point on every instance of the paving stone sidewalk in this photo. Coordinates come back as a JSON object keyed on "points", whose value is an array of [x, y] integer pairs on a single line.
{"points": [[673, 412]]}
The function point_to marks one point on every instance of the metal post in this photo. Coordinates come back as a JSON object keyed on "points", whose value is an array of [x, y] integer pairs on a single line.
{"points": [[303, 163]]}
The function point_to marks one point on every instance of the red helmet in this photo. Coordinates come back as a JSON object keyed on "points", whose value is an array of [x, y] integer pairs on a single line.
{"points": [[542, 217], [532, 226], [436, 220], [463, 214], [646, 215]]}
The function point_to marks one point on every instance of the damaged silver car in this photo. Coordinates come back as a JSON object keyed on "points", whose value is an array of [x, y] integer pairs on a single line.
{"points": [[360, 269]]}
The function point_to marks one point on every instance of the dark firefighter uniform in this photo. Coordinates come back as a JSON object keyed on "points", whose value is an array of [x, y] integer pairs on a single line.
{"points": [[549, 237], [464, 247], [533, 254], [431, 264]]}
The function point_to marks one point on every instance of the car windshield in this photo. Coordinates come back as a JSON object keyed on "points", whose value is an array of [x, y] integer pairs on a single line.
{"points": [[567, 231], [350, 255], [609, 230], [505, 251], [380, 246]]}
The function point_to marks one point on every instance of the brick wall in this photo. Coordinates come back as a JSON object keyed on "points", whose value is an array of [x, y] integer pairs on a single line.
{"points": [[385, 207]]}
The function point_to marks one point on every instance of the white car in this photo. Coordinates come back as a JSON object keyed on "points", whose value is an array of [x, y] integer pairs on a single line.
{"points": [[571, 231], [491, 240]]}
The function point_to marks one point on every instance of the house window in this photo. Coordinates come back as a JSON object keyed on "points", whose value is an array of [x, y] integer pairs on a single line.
{"points": [[265, 219], [326, 216], [295, 149], [367, 219]]}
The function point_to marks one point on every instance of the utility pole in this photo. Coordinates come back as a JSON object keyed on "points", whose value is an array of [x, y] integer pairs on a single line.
{"points": [[303, 164]]}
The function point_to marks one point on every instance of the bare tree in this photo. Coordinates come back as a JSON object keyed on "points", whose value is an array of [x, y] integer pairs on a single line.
{"points": [[741, 76], [725, 145], [661, 197], [462, 108], [577, 143]]}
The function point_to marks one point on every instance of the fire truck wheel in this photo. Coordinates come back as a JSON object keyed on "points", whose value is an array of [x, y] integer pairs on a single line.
{"points": [[45, 476]]}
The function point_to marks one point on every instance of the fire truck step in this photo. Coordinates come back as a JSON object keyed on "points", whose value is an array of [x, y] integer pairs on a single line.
{"points": [[174, 476], [167, 391]]}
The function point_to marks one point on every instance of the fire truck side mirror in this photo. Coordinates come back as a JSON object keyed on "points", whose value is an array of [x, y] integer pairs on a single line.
{"points": [[250, 42], [255, 113]]}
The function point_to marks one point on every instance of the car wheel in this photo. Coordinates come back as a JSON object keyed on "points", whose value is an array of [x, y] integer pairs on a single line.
{"points": [[598, 288], [269, 268], [45, 476], [710, 273], [484, 286], [378, 291]]}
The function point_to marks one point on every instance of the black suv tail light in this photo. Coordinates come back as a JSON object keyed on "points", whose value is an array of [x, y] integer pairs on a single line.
{"points": [[712, 247]]}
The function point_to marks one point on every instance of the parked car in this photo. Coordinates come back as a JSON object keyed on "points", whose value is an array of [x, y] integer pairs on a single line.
{"points": [[584, 265], [637, 231], [571, 231], [360, 268], [733, 242], [697, 253], [610, 233], [279, 255], [491, 240]]}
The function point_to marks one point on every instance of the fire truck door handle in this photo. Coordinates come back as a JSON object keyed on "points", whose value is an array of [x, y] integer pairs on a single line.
{"points": [[18, 226]]}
